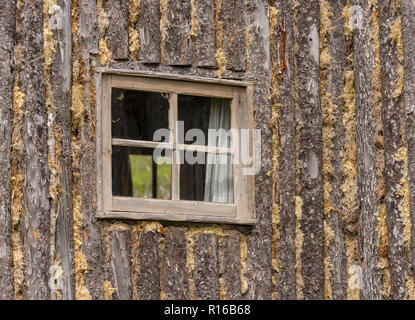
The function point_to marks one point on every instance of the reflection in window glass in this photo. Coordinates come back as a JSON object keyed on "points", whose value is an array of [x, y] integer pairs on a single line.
{"points": [[135, 174], [136, 115]]}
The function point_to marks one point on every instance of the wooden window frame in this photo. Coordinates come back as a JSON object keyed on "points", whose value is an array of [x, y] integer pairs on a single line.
{"points": [[242, 211]]}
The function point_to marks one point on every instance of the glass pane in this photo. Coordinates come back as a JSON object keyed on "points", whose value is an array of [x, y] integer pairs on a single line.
{"points": [[136, 115], [206, 177], [202, 114], [136, 174]]}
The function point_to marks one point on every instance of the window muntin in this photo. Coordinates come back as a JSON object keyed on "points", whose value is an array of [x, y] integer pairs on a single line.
{"points": [[182, 206]]}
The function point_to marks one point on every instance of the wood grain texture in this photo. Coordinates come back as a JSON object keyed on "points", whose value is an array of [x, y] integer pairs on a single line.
{"points": [[206, 270], [120, 264], [117, 31], [7, 29], [60, 76], [148, 27], [173, 276], [34, 225], [146, 261]]}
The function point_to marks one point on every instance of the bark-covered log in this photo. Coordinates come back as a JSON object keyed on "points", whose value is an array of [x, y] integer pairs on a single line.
{"points": [[120, 263], [60, 81], [369, 131], [204, 33], [333, 59], [148, 27], [283, 124], [408, 31], [146, 261], [309, 149], [173, 276], [258, 262], [7, 29], [206, 270], [117, 30], [230, 266], [34, 224], [233, 22], [175, 28]]}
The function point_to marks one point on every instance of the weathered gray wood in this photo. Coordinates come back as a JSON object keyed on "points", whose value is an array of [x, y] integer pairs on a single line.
{"points": [[60, 75], [178, 42], [332, 67], [206, 270], [283, 125], [89, 25], [117, 31], [258, 262], [120, 263], [408, 30], [7, 28], [34, 225], [146, 259], [173, 275], [204, 37], [230, 266], [148, 27], [393, 115], [368, 105], [309, 148], [234, 29]]}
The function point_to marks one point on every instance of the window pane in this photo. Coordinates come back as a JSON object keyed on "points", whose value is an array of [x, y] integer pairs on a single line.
{"points": [[137, 115], [206, 177], [204, 113], [135, 174]]}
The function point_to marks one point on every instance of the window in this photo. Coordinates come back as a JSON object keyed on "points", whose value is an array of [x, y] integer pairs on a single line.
{"points": [[168, 148]]}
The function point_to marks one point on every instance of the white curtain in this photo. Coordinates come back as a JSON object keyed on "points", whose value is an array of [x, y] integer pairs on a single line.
{"points": [[219, 173]]}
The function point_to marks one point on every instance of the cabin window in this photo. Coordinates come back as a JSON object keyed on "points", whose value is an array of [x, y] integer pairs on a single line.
{"points": [[168, 148]]}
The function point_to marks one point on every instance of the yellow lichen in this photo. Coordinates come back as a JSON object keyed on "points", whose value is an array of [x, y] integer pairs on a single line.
{"points": [[164, 27], [348, 19], [103, 22], [133, 40], [194, 23]]}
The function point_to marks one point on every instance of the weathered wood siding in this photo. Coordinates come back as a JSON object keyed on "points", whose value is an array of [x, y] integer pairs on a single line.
{"points": [[334, 97]]}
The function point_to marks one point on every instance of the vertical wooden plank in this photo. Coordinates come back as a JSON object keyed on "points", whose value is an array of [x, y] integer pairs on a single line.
{"points": [[408, 31], [146, 261], [7, 29], [148, 27], [396, 162], [206, 270], [34, 224], [89, 25], [234, 32], [368, 131], [284, 166], [309, 150], [120, 263], [176, 34], [117, 31], [258, 261], [60, 86], [173, 276], [333, 59], [230, 266], [204, 33]]}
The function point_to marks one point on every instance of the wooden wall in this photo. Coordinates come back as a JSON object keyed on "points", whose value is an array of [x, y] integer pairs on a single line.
{"points": [[334, 98]]}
